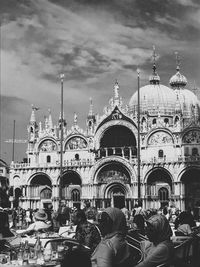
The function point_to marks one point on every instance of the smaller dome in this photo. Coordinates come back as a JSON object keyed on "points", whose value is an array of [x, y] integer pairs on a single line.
{"points": [[178, 80]]}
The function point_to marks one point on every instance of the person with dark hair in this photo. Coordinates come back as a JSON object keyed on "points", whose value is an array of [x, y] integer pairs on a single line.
{"points": [[183, 223], [159, 248], [138, 223], [113, 250], [86, 233]]}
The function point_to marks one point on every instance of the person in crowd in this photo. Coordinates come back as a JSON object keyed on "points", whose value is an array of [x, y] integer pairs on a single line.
{"points": [[183, 224], [126, 212], [86, 233], [166, 213], [40, 223], [63, 214], [113, 249], [159, 248], [138, 208], [139, 224], [4, 225]]}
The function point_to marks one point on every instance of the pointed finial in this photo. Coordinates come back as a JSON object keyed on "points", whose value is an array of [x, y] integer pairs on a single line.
{"points": [[75, 118], [178, 60], [154, 56], [91, 107], [116, 89]]}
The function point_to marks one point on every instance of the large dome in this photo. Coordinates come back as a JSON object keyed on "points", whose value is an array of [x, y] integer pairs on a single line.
{"points": [[154, 99]]}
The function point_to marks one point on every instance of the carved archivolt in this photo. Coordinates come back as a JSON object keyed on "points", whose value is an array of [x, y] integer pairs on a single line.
{"points": [[112, 159], [160, 138]]}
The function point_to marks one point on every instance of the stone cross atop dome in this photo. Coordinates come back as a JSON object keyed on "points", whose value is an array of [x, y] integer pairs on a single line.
{"points": [[154, 78]]}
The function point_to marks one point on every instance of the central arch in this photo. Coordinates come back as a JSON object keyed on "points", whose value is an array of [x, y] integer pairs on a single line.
{"points": [[116, 193]]}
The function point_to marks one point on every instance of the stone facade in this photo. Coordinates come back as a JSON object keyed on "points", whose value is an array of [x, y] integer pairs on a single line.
{"points": [[100, 164]]}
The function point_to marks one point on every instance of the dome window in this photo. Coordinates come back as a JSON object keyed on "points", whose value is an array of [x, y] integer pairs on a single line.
{"points": [[160, 153], [48, 159]]}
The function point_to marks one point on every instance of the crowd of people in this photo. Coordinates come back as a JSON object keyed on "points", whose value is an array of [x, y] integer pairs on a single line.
{"points": [[104, 232]]}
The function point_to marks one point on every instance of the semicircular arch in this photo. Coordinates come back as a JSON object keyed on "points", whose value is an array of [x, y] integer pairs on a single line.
{"points": [[75, 141], [161, 136], [110, 160], [101, 131], [158, 170], [47, 144], [36, 177], [71, 177]]}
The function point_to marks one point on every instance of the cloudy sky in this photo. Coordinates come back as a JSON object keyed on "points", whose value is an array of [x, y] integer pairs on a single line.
{"points": [[93, 42]]}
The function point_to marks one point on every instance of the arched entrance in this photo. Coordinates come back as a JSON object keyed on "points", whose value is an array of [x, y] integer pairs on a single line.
{"points": [[191, 183], [70, 186], [116, 193], [159, 188], [118, 140]]}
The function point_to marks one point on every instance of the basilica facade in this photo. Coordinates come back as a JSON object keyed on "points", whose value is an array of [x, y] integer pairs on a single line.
{"points": [[100, 163]]}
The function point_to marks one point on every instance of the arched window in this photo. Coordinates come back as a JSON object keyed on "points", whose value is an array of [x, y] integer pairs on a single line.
{"points": [[160, 153], [48, 159], [154, 122], [77, 157], [75, 195], [166, 121], [195, 151], [186, 152], [163, 194], [46, 193]]}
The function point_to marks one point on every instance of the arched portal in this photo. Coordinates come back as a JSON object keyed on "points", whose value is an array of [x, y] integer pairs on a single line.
{"points": [[116, 194], [191, 182], [69, 181], [159, 188], [118, 140]]}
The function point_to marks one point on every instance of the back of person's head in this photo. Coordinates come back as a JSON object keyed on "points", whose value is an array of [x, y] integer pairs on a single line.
{"points": [[165, 210], [113, 221], [4, 225], [158, 229], [76, 258], [79, 216], [139, 221]]}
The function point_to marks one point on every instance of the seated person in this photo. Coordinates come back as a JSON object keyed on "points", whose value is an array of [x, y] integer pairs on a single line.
{"points": [[40, 223], [159, 248], [87, 233]]}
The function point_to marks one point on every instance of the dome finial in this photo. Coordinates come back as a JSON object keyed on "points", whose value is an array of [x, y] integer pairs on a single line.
{"points": [[178, 61], [154, 78]]}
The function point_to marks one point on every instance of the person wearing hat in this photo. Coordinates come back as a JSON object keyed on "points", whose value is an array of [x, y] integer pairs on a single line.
{"points": [[40, 223]]}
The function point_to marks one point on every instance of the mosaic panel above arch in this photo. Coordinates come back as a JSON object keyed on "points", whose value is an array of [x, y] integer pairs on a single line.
{"points": [[160, 138], [192, 137], [47, 146], [76, 142]]}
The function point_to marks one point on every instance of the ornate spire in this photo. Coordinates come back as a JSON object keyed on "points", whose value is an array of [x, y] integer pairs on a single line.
{"points": [[50, 119], [75, 118], [91, 108], [33, 119], [178, 80], [116, 90], [154, 78]]}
